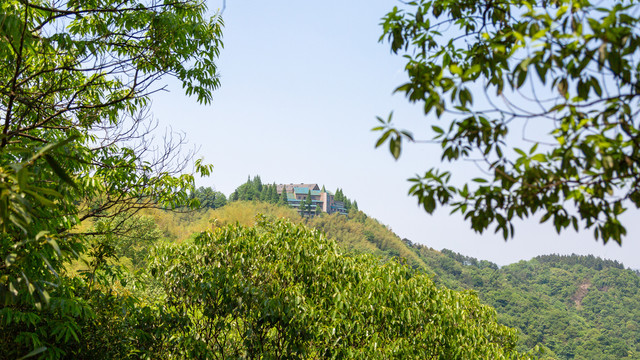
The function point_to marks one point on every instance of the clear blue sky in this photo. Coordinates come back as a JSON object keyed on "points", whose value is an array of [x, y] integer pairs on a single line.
{"points": [[302, 83]]}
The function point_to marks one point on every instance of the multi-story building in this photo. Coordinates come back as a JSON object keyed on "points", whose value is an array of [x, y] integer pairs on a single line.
{"points": [[320, 199]]}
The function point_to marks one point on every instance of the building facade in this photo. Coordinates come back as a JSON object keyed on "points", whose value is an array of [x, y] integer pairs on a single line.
{"points": [[320, 199]]}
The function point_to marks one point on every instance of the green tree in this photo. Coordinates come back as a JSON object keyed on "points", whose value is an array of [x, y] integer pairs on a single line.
{"points": [[257, 183], [484, 70], [209, 198], [129, 237], [308, 203], [303, 207], [273, 194], [283, 197], [75, 79], [219, 201], [306, 300]]}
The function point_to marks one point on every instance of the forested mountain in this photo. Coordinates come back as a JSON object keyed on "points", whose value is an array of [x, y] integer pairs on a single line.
{"points": [[580, 307]]}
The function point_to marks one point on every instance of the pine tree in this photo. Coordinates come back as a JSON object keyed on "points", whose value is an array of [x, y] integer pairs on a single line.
{"points": [[273, 196], [303, 207], [309, 201], [264, 194], [257, 183], [283, 197]]}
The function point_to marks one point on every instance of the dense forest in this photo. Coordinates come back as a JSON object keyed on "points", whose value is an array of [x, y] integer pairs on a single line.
{"points": [[575, 307]]}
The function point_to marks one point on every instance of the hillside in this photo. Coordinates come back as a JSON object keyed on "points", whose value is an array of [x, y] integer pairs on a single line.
{"points": [[576, 306], [580, 307]]}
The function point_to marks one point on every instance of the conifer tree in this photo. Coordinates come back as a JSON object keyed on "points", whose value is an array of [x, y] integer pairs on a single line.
{"points": [[283, 197], [308, 203], [257, 183], [303, 207], [264, 194], [273, 196]]}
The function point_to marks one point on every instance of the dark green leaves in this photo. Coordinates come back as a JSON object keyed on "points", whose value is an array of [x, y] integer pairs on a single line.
{"points": [[584, 88], [393, 135]]}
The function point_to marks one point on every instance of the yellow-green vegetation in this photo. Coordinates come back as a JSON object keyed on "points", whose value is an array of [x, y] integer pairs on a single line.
{"points": [[179, 226], [272, 289], [356, 232], [360, 233]]}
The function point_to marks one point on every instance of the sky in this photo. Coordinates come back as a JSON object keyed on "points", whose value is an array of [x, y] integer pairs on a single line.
{"points": [[302, 83]]}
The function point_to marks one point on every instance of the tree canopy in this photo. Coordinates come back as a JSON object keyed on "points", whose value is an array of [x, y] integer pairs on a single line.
{"points": [[284, 291], [209, 198], [487, 71], [77, 144]]}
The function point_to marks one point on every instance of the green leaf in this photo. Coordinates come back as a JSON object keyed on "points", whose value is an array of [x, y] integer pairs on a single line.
{"points": [[455, 69], [59, 171], [34, 352], [383, 138], [395, 147]]}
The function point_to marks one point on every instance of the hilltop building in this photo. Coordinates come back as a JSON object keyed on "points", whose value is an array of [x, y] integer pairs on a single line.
{"points": [[320, 199]]}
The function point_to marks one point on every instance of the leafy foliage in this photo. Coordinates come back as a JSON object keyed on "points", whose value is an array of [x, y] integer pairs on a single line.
{"points": [[578, 307], [283, 290], [209, 198], [488, 69], [575, 306], [76, 146], [348, 204], [253, 189]]}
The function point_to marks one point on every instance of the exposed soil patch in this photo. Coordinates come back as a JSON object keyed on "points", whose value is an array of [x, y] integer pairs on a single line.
{"points": [[583, 289]]}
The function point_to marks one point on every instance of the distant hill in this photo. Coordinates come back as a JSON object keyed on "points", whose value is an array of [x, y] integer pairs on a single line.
{"points": [[579, 307]]}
